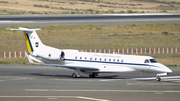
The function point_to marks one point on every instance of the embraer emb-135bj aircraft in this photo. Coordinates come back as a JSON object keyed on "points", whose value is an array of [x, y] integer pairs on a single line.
{"points": [[86, 62]]}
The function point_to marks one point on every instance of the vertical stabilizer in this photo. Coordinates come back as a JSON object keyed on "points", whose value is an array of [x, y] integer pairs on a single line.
{"points": [[32, 40], [28, 42]]}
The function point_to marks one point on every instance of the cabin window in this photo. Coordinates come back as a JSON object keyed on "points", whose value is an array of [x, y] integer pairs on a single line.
{"points": [[80, 57], [95, 59], [100, 59], [146, 61], [104, 59], [76, 57], [117, 60], [153, 61], [114, 60], [90, 58], [121, 60], [109, 59], [85, 57]]}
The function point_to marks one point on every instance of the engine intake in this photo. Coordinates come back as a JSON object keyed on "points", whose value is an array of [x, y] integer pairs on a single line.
{"points": [[62, 55]]}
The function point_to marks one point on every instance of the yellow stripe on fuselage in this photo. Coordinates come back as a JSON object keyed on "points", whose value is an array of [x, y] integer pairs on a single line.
{"points": [[28, 44]]}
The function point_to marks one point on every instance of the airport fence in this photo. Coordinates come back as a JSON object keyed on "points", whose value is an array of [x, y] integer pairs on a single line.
{"points": [[136, 51], [21, 54], [13, 54]]}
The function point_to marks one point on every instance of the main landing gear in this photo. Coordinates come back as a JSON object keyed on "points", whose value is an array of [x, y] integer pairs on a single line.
{"points": [[75, 75], [93, 75]]}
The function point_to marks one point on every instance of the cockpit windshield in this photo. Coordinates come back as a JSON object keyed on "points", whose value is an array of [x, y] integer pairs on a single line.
{"points": [[153, 61]]}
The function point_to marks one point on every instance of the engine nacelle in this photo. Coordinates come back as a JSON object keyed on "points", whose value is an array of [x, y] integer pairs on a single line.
{"points": [[62, 55], [54, 56]]}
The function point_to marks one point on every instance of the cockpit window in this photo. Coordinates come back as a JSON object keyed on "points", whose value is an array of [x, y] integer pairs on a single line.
{"points": [[146, 61], [153, 61]]}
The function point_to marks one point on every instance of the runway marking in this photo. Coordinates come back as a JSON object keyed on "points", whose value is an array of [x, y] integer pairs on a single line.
{"points": [[54, 97], [10, 21], [152, 84], [163, 79], [158, 93], [1, 80], [175, 79], [89, 90], [15, 78]]}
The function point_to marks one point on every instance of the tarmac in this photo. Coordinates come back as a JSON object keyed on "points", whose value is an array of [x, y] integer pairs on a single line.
{"points": [[39, 83], [85, 19]]}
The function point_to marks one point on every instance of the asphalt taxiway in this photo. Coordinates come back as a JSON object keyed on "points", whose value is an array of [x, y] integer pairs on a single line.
{"points": [[85, 19], [39, 83]]}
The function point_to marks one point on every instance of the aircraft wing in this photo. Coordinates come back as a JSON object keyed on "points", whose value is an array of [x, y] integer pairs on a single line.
{"points": [[70, 67]]}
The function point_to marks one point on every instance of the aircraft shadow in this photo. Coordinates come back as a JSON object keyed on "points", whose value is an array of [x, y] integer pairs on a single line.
{"points": [[69, 76], [86, 77], [49, 75], [115, 77]]}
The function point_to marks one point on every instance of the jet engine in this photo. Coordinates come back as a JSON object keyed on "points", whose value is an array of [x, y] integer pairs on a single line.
{"points": [[54, 56], [62, 55]]}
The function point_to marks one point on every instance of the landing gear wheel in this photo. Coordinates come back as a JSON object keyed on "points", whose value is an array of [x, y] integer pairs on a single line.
{"points": [[93, 75], [158, 78], [74, 75]]}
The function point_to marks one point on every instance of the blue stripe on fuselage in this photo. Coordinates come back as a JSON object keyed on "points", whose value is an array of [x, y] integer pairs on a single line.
{"points": [[108, 62]]}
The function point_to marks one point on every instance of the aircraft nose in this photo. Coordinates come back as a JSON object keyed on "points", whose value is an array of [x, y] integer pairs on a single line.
{"points": [[169, 70], [166, 69]]}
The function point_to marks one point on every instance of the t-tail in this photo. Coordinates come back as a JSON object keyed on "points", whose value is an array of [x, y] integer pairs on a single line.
{"points": [[37, 49], [32, 40]]}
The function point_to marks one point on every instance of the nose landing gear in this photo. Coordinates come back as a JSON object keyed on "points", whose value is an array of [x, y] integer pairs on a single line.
{"points": [[158, 78]]}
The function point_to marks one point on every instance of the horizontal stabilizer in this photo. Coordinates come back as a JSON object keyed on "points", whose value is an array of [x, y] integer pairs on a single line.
{"points": [[25, 29]]}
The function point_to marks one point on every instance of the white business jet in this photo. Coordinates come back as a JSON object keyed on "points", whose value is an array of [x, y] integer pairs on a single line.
{"points": [[86, 62]]}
